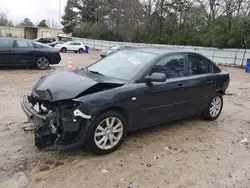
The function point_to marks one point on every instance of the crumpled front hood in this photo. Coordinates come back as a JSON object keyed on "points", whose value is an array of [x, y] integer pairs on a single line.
{"points": [[61, 85]]}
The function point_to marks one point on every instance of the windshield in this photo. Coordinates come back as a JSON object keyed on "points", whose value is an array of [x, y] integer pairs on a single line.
{"points": [[124, 65]]}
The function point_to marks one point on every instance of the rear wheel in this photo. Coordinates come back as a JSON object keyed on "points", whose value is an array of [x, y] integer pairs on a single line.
{"points": [[63, 50], [106, 133], [214, 108], [80, 50], [42, 63]]}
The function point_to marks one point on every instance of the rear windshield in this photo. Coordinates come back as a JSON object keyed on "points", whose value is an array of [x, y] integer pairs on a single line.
{"points": [[40, 45]]}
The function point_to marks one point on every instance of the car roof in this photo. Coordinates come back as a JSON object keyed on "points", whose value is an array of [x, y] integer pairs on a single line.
{"points": [[7, 38], [160, 51]]}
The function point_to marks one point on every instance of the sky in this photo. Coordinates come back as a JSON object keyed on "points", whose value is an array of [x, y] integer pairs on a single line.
{"points": [[35, 10]]}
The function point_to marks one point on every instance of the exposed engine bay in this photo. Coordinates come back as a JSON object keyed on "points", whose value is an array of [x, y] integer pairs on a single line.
{"points": [[60, 125], [57, 109]]}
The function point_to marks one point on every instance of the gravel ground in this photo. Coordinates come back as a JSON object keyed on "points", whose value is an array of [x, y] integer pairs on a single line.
{"points": [[187, 153]]}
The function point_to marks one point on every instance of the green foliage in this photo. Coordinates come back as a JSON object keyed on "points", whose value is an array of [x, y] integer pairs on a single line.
{"points": [[70, 18], [4, 20], [95, 31], [42, 24], [180, 22], [26, 22]]}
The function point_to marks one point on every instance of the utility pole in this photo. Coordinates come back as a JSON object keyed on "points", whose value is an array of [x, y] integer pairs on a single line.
{"points": [[59, 14]]}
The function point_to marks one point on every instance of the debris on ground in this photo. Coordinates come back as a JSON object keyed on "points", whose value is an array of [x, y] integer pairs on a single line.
{"points": [[156, 157], [104, 171], [244, 141], [149, 165], [121, 180], [166, 148], [29, 128]]}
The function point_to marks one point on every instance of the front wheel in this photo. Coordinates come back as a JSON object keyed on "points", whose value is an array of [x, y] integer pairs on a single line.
{"points": [[106, 133], [214, 108], [42, 63]]}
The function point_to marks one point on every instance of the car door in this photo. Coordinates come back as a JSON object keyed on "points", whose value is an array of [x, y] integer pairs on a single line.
{"points": [[77, 46], [201, 82], [159, 102], [23, 50], [71, 46], [6, 52]]}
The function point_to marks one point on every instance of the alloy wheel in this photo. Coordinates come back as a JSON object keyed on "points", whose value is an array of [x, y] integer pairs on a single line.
{"points": [[215, 106], [108, 133], [42, 63]]}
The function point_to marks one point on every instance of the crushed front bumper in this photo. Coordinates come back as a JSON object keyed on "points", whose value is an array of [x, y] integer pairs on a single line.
{"points": [[42, 132], [31, 113], [50, 132]]}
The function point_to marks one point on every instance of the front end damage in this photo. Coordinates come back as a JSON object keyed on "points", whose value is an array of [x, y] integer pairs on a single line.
{"points": [[54, 108], [57, 123]]}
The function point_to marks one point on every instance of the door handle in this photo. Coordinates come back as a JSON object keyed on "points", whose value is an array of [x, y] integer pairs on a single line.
{"points": [[180, 86], [210, 82]]}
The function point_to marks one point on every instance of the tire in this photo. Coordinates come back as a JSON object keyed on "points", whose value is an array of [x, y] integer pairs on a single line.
{"points": [[105, 146], [64, 50], [80, 50], [42, 63], [213, 111]]}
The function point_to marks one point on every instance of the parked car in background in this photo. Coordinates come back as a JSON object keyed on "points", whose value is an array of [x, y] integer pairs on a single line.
{"points": [[124, 92], [114, 49], [71, 46], [27, 53], [47, 40]]}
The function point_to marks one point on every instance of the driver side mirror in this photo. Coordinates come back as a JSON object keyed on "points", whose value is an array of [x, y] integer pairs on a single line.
{"points": [[156, 77]]}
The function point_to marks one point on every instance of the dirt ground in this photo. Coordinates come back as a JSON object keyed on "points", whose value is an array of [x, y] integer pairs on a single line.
{"points": [[183, 154]]}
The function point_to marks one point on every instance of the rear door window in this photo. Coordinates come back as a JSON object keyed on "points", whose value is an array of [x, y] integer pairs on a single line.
{"points": [[198, 65], [24, 44], [6, 43], [173, 66]]}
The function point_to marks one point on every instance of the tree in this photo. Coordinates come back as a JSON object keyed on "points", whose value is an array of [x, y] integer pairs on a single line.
{"points": [[42, 24], [26, 22], [4, 20], [217, 23], [71, 17]]}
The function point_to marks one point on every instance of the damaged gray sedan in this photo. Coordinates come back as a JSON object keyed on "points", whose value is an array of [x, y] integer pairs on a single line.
{"points": [[126, 91]]}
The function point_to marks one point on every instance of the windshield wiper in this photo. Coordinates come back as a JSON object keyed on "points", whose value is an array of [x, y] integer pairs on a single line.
{"points": [[95, 72]]}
